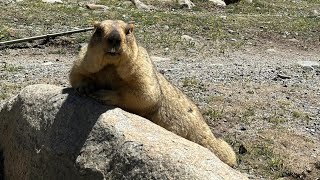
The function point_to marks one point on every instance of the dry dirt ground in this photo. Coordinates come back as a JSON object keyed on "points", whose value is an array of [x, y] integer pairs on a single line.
{"points": [[259, 99]]}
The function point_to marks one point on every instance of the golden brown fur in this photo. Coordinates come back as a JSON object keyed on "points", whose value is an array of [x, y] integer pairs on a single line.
{"points": [[113, 69]]}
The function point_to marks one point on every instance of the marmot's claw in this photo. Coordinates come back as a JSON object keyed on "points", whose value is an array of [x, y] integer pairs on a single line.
{"points": [[101, 96], [85, 90], [98, 95]]}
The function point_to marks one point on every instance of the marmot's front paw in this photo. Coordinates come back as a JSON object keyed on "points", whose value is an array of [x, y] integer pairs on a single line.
{"points": [[105, 96], [85, 89]]}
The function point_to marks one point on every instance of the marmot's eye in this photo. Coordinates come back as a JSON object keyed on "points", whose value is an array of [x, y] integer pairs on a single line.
{"points": [[127, 30], [98, 31]]}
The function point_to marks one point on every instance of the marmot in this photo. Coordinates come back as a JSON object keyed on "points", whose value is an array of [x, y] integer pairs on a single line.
{"points": [[115, 70]]}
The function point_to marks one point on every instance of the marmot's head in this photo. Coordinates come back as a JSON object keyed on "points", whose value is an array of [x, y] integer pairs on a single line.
{"points": [[113, 39]]}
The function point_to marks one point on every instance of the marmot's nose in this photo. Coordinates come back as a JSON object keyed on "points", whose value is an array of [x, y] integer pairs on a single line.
{"points": [[114, 39]]}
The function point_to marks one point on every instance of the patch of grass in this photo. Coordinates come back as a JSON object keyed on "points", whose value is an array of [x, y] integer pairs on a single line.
{"points": [[3, 95], [249, 22], [284, 103], [6, 90], [296, 114], [300, 115], [273, 162], [277, 120], [214, 114], [247, 115], [4, 33], [262, 159], [10, 68], [192, 82]]}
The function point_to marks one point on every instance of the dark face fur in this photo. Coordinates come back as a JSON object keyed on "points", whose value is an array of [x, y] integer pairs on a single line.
{"points": [[114, 37]]}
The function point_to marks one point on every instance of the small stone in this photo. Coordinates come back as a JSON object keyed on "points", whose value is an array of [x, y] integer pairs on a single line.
{"points": [[159, 59], [242, 149], [309, 170], [223, 17], [308, 64], [97, 6], [206, 27], [127, 3], [271, 50], [186, 38], [317, 164], [218, 3], [52, 1], [242, 128], [283, 76], [230, 31], [186, 4], [47, 63], [250, 92], [85, 14], [166, 27], [315, 12], [191, 50], [293, 40]]}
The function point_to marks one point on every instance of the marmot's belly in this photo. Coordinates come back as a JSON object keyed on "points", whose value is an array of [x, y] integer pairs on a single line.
{"points": [[107, 78]]}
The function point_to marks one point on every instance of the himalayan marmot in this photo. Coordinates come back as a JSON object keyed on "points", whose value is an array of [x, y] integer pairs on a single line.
{"points": [[115, 70]]}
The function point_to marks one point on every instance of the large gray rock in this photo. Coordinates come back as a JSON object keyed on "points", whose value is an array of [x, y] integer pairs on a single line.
{"points": [[47, 132]]}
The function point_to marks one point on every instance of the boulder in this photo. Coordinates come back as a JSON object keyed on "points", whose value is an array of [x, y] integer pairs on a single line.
{"points": [[49, 132]]}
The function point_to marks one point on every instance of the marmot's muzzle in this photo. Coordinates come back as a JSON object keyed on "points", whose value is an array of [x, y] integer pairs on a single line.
{"points": [[114, 42]]}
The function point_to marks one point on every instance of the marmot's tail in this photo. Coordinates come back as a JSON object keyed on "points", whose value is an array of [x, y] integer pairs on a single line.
{"points": [[224, 151], [219, 147]]}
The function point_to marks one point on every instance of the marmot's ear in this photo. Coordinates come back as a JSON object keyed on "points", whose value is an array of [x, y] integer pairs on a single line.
{"points": [[96, 24], [130, 27]]}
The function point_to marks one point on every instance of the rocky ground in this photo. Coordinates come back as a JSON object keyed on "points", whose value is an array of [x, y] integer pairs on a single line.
{"points": [[258, 86], [263, 100]]}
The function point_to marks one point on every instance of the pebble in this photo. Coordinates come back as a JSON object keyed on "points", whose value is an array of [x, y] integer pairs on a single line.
{"points": [[230, 31], [187, 38], [47, 63], [316, 12], [293, 40], [159, 59], [271, 50], [166, 27], [127, 3], [242, 149], [242, 128], [283, 76], [308, 64], [97, 7], [223, 17], [52, 1]]}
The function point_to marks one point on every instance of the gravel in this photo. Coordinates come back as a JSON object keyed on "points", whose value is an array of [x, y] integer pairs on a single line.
{"points": [[274, 83]]}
